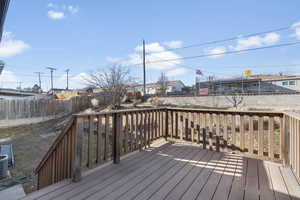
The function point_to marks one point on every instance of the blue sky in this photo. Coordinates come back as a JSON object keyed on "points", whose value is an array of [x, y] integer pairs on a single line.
{"points": [[89, 35]]}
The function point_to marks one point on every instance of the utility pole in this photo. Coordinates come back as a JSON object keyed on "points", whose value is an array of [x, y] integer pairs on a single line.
{"points": [[51, 71], [40, 82], [67, 70], [144, 66], [19, 85]]}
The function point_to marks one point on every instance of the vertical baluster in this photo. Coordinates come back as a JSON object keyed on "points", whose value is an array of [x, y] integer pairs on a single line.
{"points": [[283, 135], [99, 141], [186, 125], [126, 132], [78, 150], [106, 137], [192, 126], [176, 125], [210, 131], [90, 141], [225, 136], [260, 135], [271, 137], [251, 135], [242, 133], [233, 132]]}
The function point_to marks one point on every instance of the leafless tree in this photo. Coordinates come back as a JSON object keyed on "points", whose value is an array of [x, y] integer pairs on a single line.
{"points": [[162, 84], [235, 99], [113, 82]]}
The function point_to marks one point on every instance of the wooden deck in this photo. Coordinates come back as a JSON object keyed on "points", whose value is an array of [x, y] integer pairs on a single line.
{"points": [[180, 171]]}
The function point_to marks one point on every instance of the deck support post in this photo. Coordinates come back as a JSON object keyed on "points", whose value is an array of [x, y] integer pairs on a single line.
{"points": [[78, 150], [116, 137]]}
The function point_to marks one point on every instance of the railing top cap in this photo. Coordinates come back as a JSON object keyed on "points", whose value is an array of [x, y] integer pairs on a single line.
{"points": [[183, 110], [119, 111]]}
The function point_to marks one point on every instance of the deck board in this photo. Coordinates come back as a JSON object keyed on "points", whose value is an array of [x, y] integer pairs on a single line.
{"points": [[180, 171]]}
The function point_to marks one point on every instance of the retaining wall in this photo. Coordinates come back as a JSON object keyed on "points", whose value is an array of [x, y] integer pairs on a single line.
{"points": [[278, 102]]}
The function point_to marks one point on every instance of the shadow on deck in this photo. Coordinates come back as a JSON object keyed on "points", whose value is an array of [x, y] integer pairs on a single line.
{"points": [[180, 171]]}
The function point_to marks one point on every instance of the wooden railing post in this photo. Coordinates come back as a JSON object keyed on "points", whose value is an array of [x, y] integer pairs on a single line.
{"points": [[166, 125], [78, 149], [116, 137]]}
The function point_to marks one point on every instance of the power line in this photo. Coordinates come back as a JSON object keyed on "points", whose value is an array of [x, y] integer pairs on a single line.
{"points": [[227, 39], [224, 53]]}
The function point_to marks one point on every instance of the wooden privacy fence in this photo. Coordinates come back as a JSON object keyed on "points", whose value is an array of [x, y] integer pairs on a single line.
{"points": [[12, 109], [93, 139]]}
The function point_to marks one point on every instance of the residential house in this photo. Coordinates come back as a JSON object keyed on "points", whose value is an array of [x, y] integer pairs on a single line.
{"points": [[153, 88]]}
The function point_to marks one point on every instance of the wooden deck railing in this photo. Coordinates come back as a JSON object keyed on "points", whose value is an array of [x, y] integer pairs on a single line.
{"points": [[292, 140], [93, 139]]}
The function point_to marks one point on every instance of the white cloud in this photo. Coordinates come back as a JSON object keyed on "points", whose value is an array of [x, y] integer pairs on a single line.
{"points": [[150, 48], [256, 41], [113, 59], [72, 9], [51, 5], [215, 51], [10, 47], [8, 79], [61, 11], [296, 28], [56, 14], [177, 72], [75, 82], [173, 44], [155, 52]]}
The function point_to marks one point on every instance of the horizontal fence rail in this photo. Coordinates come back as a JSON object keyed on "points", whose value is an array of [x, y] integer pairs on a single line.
{"points": [[93, 139]]}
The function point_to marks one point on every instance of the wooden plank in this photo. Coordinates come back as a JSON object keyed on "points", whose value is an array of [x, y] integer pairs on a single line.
{"points": [[192, 126], [178, 191], [280, 190], [291, 182], [128, 179], [126, 133], [159, 183], [78, 150], [224, 187], [283, 135], [233, 132], [225, 127], [265, 184], [251, 188], [134, 191], [106, 137], [271, 138], [251, 135], [239, 181], [181, 126], [90, 142], [242, 133], [105, 176], [176, 125], [199, 183], [260, 136]]}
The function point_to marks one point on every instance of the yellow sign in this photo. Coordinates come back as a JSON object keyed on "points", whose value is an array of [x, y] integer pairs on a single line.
{"points": [[248, 73]]}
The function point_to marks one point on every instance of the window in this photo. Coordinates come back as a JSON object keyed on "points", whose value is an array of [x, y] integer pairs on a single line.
{"points": [[285, 83], [292, 83]]}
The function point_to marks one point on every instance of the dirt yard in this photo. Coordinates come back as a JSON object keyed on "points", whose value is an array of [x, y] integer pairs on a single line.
{"points": [[30, 143]]}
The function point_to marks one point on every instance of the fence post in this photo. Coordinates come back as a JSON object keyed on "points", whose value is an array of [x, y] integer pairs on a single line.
{"points": [[116, 137], [78, 150], [167, 125]]}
